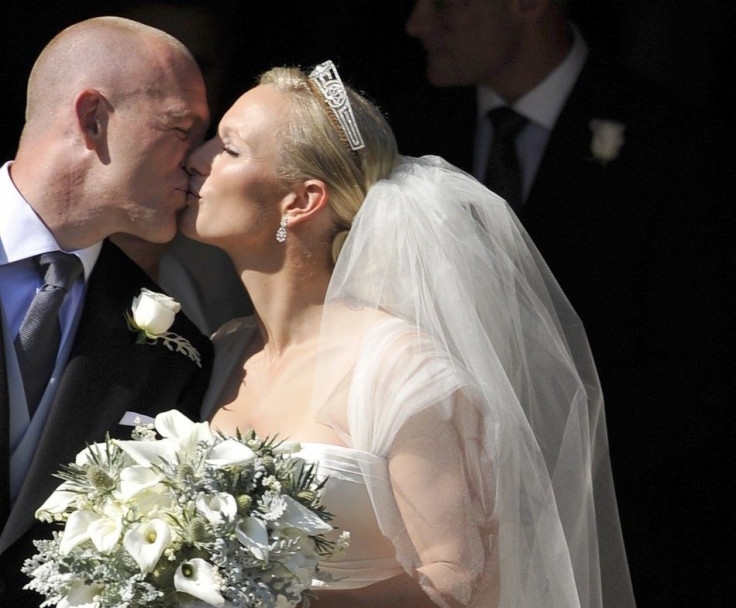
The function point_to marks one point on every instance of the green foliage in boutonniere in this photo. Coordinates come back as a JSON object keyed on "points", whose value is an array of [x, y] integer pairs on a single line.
{"points": [[151, 315]]}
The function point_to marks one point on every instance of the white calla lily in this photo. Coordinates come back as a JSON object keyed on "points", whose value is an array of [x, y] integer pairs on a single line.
{"points": [[180, 439], [76, 530], [80, 596], [217, 508], [146, 453], [253, 535], [298, 516], [136, 479], [146, 543], [93, 452], [105, 533], [197, 578], [175, 425], [153, 502], [230, 452], [59, 501]]}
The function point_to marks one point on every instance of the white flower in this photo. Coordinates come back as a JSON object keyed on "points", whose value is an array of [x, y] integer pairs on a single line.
{"points": [[134, 480], [217, 508], [140, 487], [105, 533], [197, 578], [608, 137], [230, 452], [80, 596], [146, 543], [76, 530], [93, 452], [217, 511], [151, 316], [154, 312], [56, 504], [298, 516], [253, 535], [180, 438]]}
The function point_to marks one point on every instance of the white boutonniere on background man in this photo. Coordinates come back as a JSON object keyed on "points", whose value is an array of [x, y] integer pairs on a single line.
{"points": [[194, 518], [151, 315], [607, 140]]}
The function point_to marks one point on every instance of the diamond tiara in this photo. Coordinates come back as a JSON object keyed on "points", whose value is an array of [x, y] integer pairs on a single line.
{"points": [[327, 80]]}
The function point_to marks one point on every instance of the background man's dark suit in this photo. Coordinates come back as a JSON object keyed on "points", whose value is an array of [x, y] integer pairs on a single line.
{"points": [[641, 246], [107, 375]]}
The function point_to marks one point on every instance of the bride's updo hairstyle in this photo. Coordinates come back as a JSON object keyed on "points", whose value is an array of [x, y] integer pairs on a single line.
{"points": [[312, 145]]}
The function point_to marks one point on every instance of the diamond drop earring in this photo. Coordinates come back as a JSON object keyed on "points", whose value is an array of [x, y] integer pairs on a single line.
{"points": [[281, 232]]}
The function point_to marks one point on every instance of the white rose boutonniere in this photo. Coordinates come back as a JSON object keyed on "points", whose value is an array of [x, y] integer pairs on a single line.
{"points": [[608, 138], [151, 315]]}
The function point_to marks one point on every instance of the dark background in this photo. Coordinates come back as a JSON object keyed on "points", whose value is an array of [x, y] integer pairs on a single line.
{"points": [[689, 47]]}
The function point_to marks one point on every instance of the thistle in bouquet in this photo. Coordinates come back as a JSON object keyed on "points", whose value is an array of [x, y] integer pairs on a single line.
{"points": [[184, 517]]}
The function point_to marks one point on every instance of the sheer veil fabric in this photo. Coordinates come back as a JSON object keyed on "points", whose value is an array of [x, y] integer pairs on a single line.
{"points": [[448, 349]]}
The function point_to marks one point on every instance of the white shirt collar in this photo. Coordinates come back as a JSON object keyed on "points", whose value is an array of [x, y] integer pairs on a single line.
{"points": [[543, 104], [23, 234]]}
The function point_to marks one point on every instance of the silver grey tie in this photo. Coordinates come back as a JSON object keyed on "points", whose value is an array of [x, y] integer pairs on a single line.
{"points": [[39, 335]]}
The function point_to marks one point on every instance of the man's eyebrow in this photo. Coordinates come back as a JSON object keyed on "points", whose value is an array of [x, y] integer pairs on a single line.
{"points": [[180, 115]]}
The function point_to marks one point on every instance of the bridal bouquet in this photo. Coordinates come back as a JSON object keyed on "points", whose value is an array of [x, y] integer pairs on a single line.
{"points": [[191, 518]]}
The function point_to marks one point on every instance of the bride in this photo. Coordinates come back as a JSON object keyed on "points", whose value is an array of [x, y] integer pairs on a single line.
{"points": [[410, 337]]}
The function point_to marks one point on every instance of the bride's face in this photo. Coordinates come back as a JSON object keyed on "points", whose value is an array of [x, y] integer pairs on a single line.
{"points": [[235, 194]]}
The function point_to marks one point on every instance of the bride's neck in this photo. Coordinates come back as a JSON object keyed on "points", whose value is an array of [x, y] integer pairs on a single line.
{"points": [[288, 305]]}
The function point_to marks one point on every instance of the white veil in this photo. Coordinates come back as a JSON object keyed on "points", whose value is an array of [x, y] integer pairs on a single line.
{"points": [[445, 332]]}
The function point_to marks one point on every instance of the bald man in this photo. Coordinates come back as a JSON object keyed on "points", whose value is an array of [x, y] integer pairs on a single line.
{"points": [[113, 109]]}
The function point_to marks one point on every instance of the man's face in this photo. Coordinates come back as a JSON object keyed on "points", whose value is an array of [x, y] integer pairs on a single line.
{"points": [[150, 136], [468, 42]]}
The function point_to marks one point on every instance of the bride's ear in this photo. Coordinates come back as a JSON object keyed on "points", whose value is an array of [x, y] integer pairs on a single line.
{"points": [[309, 198]]}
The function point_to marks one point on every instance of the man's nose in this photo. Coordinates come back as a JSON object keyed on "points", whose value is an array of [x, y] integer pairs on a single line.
{"points": [[197, 162]]}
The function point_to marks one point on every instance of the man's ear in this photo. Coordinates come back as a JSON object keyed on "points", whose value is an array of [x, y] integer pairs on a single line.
{"points": [[307, 200], [91, 109]]}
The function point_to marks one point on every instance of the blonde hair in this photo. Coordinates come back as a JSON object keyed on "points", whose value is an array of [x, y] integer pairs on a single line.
{"points": [[312, 146]]}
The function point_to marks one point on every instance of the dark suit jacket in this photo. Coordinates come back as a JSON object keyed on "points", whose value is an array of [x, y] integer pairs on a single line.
{"points": [[642, 246], [107, 375]]}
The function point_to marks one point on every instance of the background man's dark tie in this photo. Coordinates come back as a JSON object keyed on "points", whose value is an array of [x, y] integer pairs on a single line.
{"points": [[503, 172], [39, 336]]}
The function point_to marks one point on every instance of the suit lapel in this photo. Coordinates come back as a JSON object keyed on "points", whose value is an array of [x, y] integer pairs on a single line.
{"points": [[567, 153], [97, 387]]}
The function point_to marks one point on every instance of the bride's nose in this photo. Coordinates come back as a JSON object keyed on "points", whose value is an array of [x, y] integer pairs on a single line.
{"points": [[200, 159]]}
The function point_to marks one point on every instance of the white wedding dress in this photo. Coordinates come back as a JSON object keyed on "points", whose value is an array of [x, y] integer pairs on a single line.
{"points": [[370, 557], [460, 381]]}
